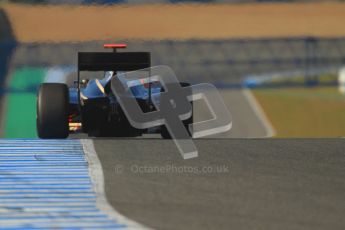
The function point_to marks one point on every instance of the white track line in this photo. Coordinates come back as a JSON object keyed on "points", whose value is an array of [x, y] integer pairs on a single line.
{"points": [[96, 174], [259, 112]]}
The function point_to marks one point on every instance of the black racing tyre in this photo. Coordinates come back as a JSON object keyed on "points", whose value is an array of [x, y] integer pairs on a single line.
{"points": [[52, 111], [164, 131]]}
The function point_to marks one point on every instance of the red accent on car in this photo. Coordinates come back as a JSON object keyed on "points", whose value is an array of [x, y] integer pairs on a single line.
{"points": [[115, 46]]}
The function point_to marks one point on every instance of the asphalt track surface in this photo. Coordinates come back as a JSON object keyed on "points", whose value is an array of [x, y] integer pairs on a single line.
{"points": [[268, 184], [245, 123]]}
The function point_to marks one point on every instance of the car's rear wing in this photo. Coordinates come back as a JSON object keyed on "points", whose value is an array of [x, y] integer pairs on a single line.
{"points": [[102, 61], [124, 61]]}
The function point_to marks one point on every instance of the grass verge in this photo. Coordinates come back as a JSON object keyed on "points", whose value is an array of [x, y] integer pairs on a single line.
{"points": [[20, 118], [304, 112]]}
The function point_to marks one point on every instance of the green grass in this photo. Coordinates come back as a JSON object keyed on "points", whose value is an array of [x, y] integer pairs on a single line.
{"points": [[304, 112], [20, 118]]}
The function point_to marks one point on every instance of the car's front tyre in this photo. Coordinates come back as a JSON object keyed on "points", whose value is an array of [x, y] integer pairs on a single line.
{"points": [[52, 111]]}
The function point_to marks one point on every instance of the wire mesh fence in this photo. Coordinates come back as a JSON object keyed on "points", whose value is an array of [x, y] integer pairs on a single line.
{"points": [[223, 62]]}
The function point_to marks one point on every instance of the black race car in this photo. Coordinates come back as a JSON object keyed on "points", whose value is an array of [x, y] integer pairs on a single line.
{"points": [[89, 105]]}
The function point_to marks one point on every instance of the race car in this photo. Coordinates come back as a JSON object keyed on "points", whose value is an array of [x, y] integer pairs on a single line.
{"points": [[89, 105]]}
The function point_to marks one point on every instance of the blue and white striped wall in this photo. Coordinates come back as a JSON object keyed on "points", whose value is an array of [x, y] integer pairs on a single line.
{"points": [[54, 184]]}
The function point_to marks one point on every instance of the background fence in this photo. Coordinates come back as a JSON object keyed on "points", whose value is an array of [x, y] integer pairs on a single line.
{"points": [[223, 62]]}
